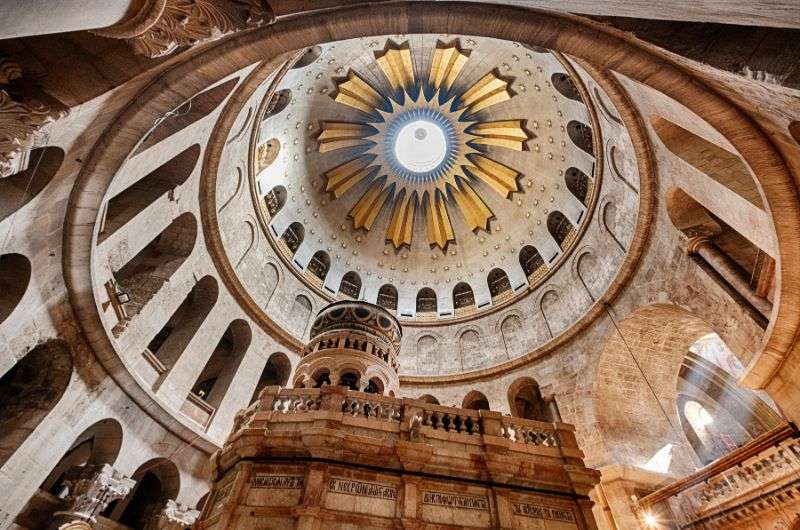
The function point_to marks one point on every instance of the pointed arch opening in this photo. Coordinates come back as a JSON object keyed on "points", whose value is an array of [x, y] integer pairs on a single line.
{"points": [[463, 298], [319, 266], [581, 136], [293, 237], [578, 183], [561, 229], [427, 304], [565, 86], [350, 286], [275, 199], [532, 264], [499, 285]]}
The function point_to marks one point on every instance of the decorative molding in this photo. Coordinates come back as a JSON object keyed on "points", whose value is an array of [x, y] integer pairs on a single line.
{"points": [[92, 488], [174, 516], [23, 112], [166, 25]]}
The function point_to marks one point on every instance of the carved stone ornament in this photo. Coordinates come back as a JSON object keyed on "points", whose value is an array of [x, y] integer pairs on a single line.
{"points": [[21, 117], [92, 488], [189, 22], [174, 516]]}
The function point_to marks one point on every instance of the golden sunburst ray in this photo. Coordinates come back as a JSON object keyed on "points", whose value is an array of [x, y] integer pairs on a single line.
{"points": [[432, 187]]}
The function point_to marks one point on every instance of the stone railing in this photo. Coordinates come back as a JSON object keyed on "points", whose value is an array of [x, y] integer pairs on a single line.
{"points": [[353, 342], [739, 488], [417, 417]]}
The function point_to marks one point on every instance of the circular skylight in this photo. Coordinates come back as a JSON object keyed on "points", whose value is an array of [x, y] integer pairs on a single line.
{"points": [[420, 146]]}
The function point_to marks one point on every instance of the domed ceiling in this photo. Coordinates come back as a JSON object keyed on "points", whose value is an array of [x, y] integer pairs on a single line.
{"points": [[440, 176]]}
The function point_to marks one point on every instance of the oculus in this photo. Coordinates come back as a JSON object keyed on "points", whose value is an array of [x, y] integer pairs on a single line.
{"points": [[421, 145]]}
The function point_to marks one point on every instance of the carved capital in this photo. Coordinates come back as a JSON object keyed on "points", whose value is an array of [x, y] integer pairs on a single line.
{"points": [[92, 488], [166, 25], [22, 114], [174, 516], [696, 242]]}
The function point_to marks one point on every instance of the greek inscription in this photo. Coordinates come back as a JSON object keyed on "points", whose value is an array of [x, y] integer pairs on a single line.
{"points": [[362, 489], [549, 513], [468, 502], [277, 482]]}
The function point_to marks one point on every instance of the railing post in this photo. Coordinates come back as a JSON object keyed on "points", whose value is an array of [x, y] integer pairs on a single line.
{"points": [[331, 398], [491, 423]]}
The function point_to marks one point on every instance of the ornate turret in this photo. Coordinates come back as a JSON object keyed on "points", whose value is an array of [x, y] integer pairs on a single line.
{"points": [[353, 344]]}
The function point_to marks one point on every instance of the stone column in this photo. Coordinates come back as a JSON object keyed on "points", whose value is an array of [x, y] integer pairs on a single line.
{"points": [[174, 516], [724, 266], [91, 489]]}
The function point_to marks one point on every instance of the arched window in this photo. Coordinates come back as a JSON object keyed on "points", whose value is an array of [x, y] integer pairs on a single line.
{"points": [[166, 347], [133, 200], [350, 380], [426, 301], [565, 86], [275, 199], [293, 236], [299, 314], [320, 264], [578, 183], [581, 136], [472, 354], [30, 390], [463, 298], [350, 285], [267, 153], [144, 274], [499, 285], [157, 481], [189, 112], [387, 297], [427, 398], [214, 380], [428, 358], [15, 274], [374, 386], [475, 400], [561, 229], [322, 378], [532, 263], [525, 401], [275, 373], [20, 188], [308, 57], [277, 102], [548, 306]]}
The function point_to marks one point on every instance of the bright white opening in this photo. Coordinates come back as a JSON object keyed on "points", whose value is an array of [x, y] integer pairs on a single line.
{"points": [[420, 146], [661, 460]]}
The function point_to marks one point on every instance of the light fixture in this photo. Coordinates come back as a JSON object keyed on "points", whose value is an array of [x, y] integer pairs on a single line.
{"points": [[650, 520], [122, 296]]}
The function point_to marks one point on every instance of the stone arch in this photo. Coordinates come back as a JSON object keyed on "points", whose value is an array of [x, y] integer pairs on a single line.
{"points": [[309, 56], [350, 286], [709, 158], [100, 443], [463, 298], [499, 284], [166, 346], [277, 103], [293, 236], [427, 303], [237, 189], [15, 275], [219, 371], [616, 166], [578, 183], [525, 400], [275, 373], [547, 304], [144, 274], [250, 241], [157, 481], [30, 390], [644, 422], [387, 297], [604, 107], [513, 337], [429, 399], [300, 314], [187, 113], [561, 229], [271, 280], [581, 136], [469, 346], [133, 200], [589, 272], [610, 221], [532, 263], [275, 199], [22, 187], [475, 400], [428, 358], [319, 265], [565, 86]]}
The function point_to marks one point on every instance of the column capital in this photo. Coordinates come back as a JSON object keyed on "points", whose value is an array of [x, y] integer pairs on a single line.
{"points": [[91, 489], [174, 516], [159, 27], [698, 241]]}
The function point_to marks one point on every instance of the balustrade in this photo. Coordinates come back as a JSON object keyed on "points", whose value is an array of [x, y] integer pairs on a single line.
{"points": [[519, 431], [388, 410], [457, 420]]}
